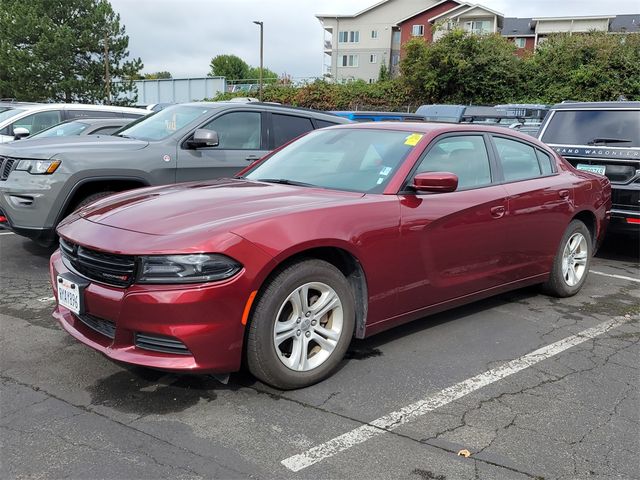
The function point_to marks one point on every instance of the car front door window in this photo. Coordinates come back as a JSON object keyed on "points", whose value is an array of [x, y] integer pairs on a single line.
{"points": [[37, 122], [466, 156], [238, 131]]}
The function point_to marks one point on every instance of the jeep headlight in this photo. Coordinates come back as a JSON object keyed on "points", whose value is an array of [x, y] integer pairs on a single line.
{"points": [[38, 167], [190, 268]]}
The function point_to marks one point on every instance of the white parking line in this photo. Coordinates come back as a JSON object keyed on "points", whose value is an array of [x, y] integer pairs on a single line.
{"points": [[6, 233], [622, 277], [395, 419]]}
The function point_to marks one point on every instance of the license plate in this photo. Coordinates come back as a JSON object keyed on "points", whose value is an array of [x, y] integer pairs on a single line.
{"points": [[69, 295], [599, 169]]}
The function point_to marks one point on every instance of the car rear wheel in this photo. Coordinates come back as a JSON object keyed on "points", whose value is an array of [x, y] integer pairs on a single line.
{"points": [[572, 261], [301, 326]]}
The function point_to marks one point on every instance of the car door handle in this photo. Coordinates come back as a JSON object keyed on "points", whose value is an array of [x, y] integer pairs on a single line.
{"points": [[497, 212], [564, 194], [252, 158]]}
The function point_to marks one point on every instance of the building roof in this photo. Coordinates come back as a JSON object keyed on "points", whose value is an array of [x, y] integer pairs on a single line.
{"points": [[464, 8], [625, 23], [352, 15], [429, 8], [517, 27]]}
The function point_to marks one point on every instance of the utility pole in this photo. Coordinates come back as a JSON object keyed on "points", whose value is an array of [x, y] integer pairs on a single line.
{"points": [[107, 79], [261, 24]]}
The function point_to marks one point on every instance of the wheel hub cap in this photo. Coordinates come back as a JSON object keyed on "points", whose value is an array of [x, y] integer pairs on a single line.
{"points": [[574, 259], [308, 326]]}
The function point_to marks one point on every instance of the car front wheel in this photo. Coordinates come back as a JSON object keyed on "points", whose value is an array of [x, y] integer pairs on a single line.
{"points": [[301, 326]]}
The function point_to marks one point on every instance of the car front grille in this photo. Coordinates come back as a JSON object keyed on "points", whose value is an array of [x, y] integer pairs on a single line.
{"points": [[6, 166], [109, 268], [104, 327], [158, 343]]}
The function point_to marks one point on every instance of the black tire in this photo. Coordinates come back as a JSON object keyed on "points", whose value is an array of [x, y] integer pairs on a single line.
{"points": [[262, 359], [92, 198], [557, 285]]}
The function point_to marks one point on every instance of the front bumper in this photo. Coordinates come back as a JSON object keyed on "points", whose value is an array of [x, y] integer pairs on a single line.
{"points": [[205, 319]]}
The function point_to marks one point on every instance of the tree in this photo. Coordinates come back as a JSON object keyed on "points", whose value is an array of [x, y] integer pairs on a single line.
{"points": [[462, 68], [157, 75], [594, 66], [383, 73], [64, 50], [267, 75], [229, 66]]}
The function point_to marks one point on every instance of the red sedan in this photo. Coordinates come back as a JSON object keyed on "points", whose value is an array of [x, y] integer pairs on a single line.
{"points": [[345, 232]]}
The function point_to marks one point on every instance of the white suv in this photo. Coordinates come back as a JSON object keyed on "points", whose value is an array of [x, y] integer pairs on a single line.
{"points": [[19, 120]]}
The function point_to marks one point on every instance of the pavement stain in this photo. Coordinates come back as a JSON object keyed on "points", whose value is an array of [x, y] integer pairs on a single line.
{"points": [[427, 474], [149, 392], [362, 353]]}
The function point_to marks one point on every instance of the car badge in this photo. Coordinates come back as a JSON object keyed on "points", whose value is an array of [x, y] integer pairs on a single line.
{"points": [[166, 158]]}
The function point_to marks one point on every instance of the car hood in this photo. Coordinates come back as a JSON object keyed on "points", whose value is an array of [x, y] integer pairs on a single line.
{"points": [[222, 203], [48, 147]]}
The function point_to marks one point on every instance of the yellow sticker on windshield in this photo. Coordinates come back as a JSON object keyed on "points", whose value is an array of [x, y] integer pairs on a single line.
{"points": [[413, 139]]}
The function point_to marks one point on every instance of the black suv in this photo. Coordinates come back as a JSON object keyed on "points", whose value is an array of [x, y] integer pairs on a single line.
{"points": [[603, 138]]}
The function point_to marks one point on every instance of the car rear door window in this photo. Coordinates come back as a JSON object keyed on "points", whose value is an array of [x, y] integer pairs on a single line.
{"points": [[288, 127], [546, 164], [238, 130], [519, 160], [324, 123], [37, 122], [466, 156]]}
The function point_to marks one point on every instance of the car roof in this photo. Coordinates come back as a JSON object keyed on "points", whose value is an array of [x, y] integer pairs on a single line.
{"points": [[599, 105], [70, 106], [98, 121], [275, 107], [438, 128]]}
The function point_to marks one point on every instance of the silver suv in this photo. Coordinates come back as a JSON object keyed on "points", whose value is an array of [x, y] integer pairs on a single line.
{"points": [[43, 180]]}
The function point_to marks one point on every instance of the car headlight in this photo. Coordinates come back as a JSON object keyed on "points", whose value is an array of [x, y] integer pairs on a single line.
{"points": [[38, 167], [190, 268]]}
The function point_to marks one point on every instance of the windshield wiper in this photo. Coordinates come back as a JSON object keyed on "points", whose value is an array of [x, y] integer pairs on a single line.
{"points": [[285, 181], [595, 141]]}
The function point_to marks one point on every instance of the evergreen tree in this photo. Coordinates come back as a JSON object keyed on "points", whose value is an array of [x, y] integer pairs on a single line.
{"points": [[64, 50]]}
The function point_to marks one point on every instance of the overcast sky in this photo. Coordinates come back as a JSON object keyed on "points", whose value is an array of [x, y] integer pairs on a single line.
{"points": [[181, 36]]}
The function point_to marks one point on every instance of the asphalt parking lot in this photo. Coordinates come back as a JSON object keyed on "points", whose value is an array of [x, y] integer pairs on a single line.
{"points": [[531, 386]]}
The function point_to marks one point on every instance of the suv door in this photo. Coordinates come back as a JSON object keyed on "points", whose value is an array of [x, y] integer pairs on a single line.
{"points": [[242, 139], [458, 238], [539, 206]]}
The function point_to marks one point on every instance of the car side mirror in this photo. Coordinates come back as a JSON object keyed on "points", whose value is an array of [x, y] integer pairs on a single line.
{"points": [[438, 182], [20, 132], [203, 137]]}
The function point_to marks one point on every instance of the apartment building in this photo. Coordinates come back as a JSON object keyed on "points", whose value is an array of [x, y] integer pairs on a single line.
{"points": [[356, 45], [528, 33]]}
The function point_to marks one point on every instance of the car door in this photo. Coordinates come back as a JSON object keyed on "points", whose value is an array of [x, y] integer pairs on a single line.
{"points": [[454, 242], [539, 205], [242, 139]]}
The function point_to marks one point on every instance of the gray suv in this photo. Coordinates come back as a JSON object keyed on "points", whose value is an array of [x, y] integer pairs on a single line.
{"points": [[43, 180]]}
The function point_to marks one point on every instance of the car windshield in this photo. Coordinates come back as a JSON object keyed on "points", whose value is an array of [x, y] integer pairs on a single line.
{"points": [[618, 128], [63, 130], [164, 123], [357, 160], [9, 112]]}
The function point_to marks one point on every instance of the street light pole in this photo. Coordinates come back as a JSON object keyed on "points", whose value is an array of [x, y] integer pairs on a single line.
{"points": [[261, 24]]}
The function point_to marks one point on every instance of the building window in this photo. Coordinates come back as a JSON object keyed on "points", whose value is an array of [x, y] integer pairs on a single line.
{"points": [[374, 33], [521, 42], [349, 61], [417, 30], [373, 58], [395, 59], [396, 37], [478, 26], [349, 37]]}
